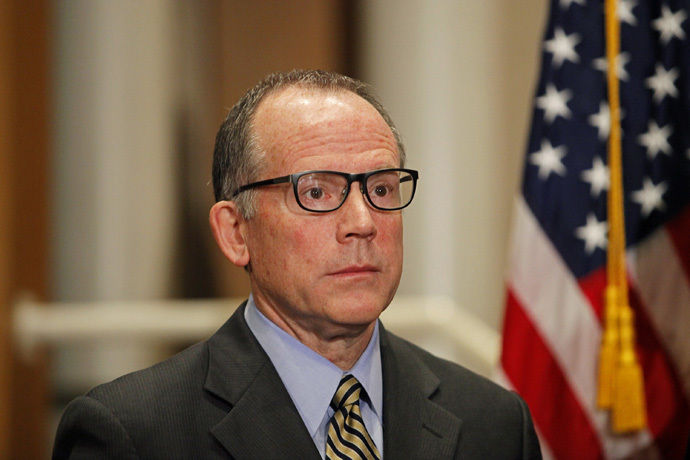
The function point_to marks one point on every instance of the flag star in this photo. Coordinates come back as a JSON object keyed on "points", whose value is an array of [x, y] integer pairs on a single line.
{"points": [[602, 121], [562, 47], [621, 61], [656, 139], [624, 11], [565, 4], [554, 103], [662, 83], [650, 196], [597, 177], [593, 233], [669, 24], [548, 159]]}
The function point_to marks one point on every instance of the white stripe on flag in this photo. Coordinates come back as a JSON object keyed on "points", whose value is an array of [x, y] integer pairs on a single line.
{"points": [[565, 319], [553, 300], [663, 287]]}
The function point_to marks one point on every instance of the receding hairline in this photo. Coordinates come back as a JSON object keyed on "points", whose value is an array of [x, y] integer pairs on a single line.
{"points": [[308, 87], [237, 157]]}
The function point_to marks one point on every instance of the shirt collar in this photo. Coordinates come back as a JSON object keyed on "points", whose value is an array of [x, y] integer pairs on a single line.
{"points": [[311, 380]]}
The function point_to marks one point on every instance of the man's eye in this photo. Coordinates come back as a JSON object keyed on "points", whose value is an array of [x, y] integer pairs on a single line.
{"points": [[381, 190], [315, 193]]}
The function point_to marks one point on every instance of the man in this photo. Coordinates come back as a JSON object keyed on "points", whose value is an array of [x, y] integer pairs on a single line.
{"points": [[309, 182]]}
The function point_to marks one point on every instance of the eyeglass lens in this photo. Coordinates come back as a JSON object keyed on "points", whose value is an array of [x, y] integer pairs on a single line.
{"points": [[324, 191]]}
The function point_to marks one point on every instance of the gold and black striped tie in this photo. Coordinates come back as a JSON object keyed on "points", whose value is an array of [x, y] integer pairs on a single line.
{"points": [[347, 437]]}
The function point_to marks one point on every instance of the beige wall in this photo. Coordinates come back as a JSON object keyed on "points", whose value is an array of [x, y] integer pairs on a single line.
{"points": [[114, 167], [458, 77], [138, 89], [141, 88]]}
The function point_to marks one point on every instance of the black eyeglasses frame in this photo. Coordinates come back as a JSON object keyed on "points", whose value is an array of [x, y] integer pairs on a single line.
{"points": [[359, 177]]}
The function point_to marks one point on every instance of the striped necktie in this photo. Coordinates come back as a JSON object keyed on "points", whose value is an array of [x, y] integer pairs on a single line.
{"points": [[347, 437]]}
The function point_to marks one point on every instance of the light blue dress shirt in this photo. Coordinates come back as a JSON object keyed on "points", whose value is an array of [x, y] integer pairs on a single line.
{"points": [[311, 379]]}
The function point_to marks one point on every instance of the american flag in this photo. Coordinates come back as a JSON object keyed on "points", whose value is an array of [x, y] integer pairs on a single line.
{"points": [[554, 309]]}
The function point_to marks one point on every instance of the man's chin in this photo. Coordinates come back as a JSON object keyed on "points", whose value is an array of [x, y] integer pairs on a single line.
{"points": [[357, 312]]}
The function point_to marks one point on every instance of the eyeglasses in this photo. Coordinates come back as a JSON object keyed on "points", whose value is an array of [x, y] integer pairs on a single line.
{"points": [[324, 191]]}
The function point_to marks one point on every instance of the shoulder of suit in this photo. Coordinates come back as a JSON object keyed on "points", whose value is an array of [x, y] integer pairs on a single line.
{"points": [[450, 374], [186, 370], [164, 381]]}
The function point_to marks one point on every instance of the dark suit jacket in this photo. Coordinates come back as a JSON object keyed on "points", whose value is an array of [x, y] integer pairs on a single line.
{"points": [[223, 399]]}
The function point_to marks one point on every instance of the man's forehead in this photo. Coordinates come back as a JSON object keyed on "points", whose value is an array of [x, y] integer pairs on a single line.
{"points": [[304, 98], [295, 123], [296, 108]]}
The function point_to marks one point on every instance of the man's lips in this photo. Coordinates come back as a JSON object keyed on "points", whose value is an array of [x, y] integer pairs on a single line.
{"points": [[354, 270]]}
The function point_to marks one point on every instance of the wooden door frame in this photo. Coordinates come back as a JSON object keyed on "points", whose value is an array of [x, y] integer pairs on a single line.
{"points": [[24, 156]]}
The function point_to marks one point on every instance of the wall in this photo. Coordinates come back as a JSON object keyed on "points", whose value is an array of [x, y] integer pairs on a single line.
{"points": [[458, 78], [115, 202], [141, 88]]}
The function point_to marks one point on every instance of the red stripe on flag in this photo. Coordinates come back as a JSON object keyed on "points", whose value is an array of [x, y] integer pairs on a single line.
{"points": [[593, 287], [537, 377], [668, 413], [679, 231]]}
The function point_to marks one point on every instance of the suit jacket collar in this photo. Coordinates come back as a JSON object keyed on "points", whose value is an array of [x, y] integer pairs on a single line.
{"points": [[413, 425], [264, 417], [262, 414]]}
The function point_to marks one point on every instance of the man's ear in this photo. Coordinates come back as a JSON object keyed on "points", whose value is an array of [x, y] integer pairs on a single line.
{"points": [[226, 221]]}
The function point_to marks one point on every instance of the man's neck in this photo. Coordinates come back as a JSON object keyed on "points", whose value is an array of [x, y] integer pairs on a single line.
{"points": [[340, 344], [343, 350]]}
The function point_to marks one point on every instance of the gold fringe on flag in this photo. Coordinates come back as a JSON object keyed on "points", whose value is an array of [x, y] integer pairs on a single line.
{"points": [[621, 384]]}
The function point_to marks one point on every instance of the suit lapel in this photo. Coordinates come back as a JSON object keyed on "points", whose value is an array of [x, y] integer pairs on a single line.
{"points": [[414, 426], [265, 420], [262, 417]]}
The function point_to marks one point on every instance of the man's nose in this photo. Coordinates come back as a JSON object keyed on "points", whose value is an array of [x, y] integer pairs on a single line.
{"points": [[356, 216]]}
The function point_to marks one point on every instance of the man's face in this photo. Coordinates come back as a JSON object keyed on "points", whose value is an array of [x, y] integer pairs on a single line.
{"points": [[327, 274]]}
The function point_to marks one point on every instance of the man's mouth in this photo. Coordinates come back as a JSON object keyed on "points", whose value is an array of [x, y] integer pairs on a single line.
{"points": [[355, 270]]}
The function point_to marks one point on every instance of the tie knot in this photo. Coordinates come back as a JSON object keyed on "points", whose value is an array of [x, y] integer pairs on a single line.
{"points": [[347, 393]]}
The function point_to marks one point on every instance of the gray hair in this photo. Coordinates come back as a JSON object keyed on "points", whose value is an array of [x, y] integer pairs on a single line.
{"points": [[237, 160]]}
